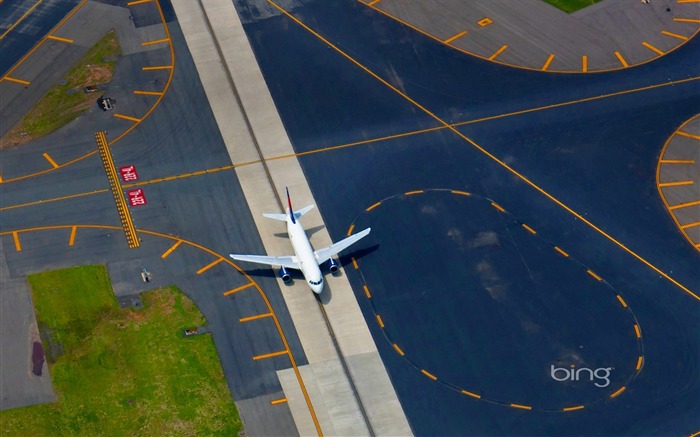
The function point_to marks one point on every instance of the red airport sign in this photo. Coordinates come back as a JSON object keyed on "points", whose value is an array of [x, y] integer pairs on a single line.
{"points": [[129, 173], [136, 197]]}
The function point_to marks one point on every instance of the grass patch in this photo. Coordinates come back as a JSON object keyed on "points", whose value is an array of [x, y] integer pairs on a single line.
{"points": [[571, 5], [64, 103], [123, 372]]}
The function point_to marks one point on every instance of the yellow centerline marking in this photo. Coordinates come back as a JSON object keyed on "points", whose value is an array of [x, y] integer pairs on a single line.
{"points": [[259, 316], [126, 117], [157, 41], [148, 93], [428, 374], [15, 237], [398, 349], [547, 62], [622, 301], [640, 360], [29, 11], [521, 407], [675, 35], [369, 296], [621, 59], [652, 48], [379, 320], [637, 331], [51, 161], [578, 407], [459, 35], [373, 206], [138, 2], [237, 289], [677, 161], [529, 229], [270, 355], [71, 240], [592, 273], [275, 401], [468, 393], [172, 248], [208, 266], [675, 184], [19, 81], [58, 38], [584, 63], [689, 135], [498, 52], [684, 205], [617, 393]]}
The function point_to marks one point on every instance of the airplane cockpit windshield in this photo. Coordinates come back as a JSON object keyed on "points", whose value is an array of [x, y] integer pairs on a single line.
{"points": [[320, 281]]}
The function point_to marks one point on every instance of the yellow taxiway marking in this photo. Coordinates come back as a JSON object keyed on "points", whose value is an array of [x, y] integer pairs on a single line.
{"points": [[410, 193], [259, 316], [498, 52], [675, 35], [522, 407], [126, 117], [474, 395], [354, 263], [155, 41], [622, 301], [547, 62], [208, 266], [690, 225], [529, 229], [172, 248], [621, 59], [55, 199], [684, 205], [138, 2], [689, 135], [675, 184], [428, 374], [652, 48], [584, 63], [688, 1], [352, 226], [617, 393], [637, 331], [398, 349], [461, 193], [577, 407], [270, 355], [73, 231], [452, 38], [58, 38], [373, 2], [484, 22], [686, 20], [640, 360], [373, 206], [275, 401], [29, 11], [19, 81], [148, 93], [242, 287], [592, 273], [560, 250], [369, 296], [498, 207], [157, 67], [677, 161], [51, 161], [379, 320], [15, 237], [0, 179]]}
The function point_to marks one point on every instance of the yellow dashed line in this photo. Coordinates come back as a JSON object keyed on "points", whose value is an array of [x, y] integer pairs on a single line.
{"points": [[276, 401], [428, 374], [640, 360], [468, 393], [71, 240], [578, 407], [15, 237], [675, 35], [398, 349], [354, 263], [637, 331], [617, 393], [684, 205], [547, 62], [51, 161], [459, 35], [592, 273], [410, 193], [622, 301], [584, 63], [172, 248], [259, 316], [652, 48], [498, 207], [367, 292], [373, 206], [352, 226], [126, 117], [148, 93], [208, 266], [621, 59], [675, 184], [58, 38], [561, 251], [461, 193], [12, 79], [242, 287], [157, 41], [270, 355], [522, 407], [529, 229], [498, 52], [689, 135], [379, 320]]}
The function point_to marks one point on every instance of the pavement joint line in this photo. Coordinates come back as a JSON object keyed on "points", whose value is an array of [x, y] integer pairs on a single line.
{"points": [[674, 35], [58, 38], [256, 317], [270, 355], [210, 265], [29, 11], [171, 249], [71, 239], [512, 170], [51, 161], [237, 289], [117, 191]]}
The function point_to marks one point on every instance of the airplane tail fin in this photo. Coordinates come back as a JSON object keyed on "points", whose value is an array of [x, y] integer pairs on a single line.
{"points": [[291, 214]]}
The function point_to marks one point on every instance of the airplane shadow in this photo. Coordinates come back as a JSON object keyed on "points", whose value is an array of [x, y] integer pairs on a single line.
{"points": [[309, 232]]}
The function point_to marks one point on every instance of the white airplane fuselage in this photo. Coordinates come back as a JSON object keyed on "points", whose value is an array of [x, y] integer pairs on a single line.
{"points": [[308, 264]]}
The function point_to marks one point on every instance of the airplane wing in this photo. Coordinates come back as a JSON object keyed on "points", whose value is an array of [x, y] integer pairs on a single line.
{"points": [[323, 255], [289, 262]]}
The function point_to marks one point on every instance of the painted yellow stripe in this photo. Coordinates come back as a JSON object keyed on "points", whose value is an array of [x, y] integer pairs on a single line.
{"points": [[242, 287], [690, 225], [577, 407], [675, 35], [29, 11], [677, 161], [138, 2], [270, 355], [410, 193], [684, 205], [352, 226], [592, 273], [156, 41], [640, 360], [172, 248], [0, 179], [461, 193], [686, 20], [498, 52], [688, 1], [522, 407], [675, 184], [621, 59], [547, 62], [652, 48], [15, 237], [354, 263], [148, 93], [19, 81], [51, 161], [58, 38], [259, 316], [459, 35], [366, 291], [373, 2], [379, 320], [617, 393], [157, 67], [622, 301], [529, 229], [126, 117], [474, 395], [208, 266], [373, 206], [71, 240], [398, 349], [498, 207], [276, 401], [689, 135], [428, 374], [637, 331], [584, 63]]}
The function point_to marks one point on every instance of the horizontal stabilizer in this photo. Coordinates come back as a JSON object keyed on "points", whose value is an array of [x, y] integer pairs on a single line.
{"points": [[289, 262], [323, 255], [281, 217]]}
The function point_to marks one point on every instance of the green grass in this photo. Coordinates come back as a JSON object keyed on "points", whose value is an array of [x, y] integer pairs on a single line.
{"points": [[123, 372], [571, 5]]}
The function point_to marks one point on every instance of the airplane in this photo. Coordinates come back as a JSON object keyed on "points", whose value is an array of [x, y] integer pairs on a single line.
{"points": [[305, 258]]}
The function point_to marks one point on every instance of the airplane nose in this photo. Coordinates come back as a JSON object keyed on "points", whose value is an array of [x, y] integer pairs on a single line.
{"points": [[317, 288]]}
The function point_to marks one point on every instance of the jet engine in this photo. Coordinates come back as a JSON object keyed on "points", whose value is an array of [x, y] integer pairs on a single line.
{"points": [[332, 265], [284, 274]]}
